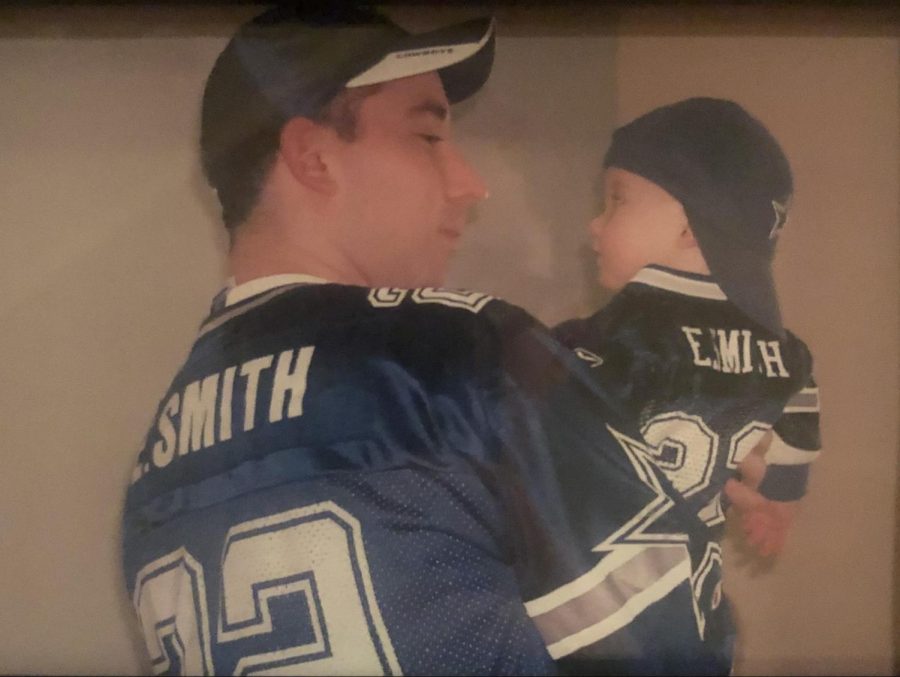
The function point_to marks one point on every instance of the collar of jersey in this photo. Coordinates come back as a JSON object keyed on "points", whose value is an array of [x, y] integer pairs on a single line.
{"points": [[243, 291], [687, 284]]}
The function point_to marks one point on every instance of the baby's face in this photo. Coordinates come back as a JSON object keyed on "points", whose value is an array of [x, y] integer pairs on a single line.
{"points": [[640, 224]]}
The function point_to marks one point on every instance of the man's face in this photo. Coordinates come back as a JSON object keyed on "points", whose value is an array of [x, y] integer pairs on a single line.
{"points": [[640, 224], [405, 189]]}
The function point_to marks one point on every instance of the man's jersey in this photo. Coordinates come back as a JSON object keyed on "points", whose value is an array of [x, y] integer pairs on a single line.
{"points": [[349, 480], [705, 382]]}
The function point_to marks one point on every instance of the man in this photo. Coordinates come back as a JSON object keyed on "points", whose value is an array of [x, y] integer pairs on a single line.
{"points": [[356, 472]]}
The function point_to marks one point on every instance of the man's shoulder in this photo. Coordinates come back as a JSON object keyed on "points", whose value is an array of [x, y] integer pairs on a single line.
{"points": [[467, 326], [452, 306], [315, 367], [426, 325], [334, 302], [429, 311], [632, 318]]}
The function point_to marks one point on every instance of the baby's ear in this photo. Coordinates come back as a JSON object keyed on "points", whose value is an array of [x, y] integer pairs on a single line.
{"points": [[687, 240]]}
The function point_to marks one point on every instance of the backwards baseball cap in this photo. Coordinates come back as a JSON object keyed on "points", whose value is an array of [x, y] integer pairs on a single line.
{"points": [[735, 185], [293, 60]]}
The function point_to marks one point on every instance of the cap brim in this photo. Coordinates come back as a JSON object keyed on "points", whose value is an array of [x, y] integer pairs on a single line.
{"points": [[744, 275], [462, 55]]}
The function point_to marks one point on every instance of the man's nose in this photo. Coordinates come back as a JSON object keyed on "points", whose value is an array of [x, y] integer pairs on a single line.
{"points": [[463, 183]]}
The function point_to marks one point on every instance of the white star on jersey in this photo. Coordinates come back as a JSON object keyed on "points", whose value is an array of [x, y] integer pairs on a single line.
{"points": [[635, 530]]}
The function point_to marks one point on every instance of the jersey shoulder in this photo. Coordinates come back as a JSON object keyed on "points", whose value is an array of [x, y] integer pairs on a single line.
{"points": [[637, 316], [305, 380], [408, 326], [486, 338], [631, 335]]}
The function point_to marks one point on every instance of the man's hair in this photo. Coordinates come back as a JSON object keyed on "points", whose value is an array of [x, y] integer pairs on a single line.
{"points": [[238, 171]]}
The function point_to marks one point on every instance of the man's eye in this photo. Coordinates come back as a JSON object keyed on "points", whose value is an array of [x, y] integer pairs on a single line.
{"points": [[431, 138]]}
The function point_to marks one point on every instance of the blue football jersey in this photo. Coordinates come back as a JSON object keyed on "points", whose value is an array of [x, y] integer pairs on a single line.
{"points": [[343, 480], [705, 383]]}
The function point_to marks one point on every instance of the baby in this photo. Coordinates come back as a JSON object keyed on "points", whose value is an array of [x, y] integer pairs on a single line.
{"points": [[696, 194]]}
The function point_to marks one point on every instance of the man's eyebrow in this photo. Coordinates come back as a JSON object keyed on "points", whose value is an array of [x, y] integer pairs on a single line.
{"points": [[435, 108]]}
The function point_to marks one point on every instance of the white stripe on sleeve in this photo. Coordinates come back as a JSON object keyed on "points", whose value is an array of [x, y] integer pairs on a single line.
{"points": [[782, 453]]}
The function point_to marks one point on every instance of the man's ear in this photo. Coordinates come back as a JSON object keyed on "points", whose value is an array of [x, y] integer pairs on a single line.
{"points": [[302, 145]]}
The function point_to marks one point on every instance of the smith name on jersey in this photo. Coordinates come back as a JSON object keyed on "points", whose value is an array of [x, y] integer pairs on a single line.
{"points": [[384, 481], [705, 383]]}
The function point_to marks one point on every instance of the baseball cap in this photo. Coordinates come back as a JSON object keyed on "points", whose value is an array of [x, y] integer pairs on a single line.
{"points": [[734, 182], [292, 60]]}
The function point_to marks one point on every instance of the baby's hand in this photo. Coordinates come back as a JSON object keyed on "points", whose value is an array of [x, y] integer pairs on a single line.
{"points": [[765, 522]]}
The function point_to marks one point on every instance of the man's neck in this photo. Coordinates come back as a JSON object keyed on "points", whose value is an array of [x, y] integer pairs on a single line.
{"points": [[261, 252]]}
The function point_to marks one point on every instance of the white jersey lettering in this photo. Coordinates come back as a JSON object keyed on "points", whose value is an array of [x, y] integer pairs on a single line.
{"points": [[225, 403], [164, 449], [771, 355], [289, 380], [730, 351], [690, 334], [201, 415], [198, 415], [732, 344], [252, 369]]}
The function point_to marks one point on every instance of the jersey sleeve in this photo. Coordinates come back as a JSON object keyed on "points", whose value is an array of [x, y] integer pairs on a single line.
{"points": [[795, 445]]}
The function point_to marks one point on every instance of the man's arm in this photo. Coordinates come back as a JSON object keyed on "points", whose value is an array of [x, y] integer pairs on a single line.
{"points": [[764, 522], [774, 476]]}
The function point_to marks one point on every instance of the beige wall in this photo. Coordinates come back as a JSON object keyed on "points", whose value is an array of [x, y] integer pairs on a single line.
{"points": [[110, 251], [106, 260], [825, 606]]}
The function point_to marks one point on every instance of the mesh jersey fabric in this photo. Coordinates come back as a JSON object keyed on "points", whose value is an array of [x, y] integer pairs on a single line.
{"points": [[344, 480]]}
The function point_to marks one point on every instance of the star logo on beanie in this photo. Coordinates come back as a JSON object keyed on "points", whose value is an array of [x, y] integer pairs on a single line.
{"points": [[780, 219]]}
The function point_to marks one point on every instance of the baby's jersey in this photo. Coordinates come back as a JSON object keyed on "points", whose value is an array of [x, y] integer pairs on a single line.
{"points": [[705, 383]]}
